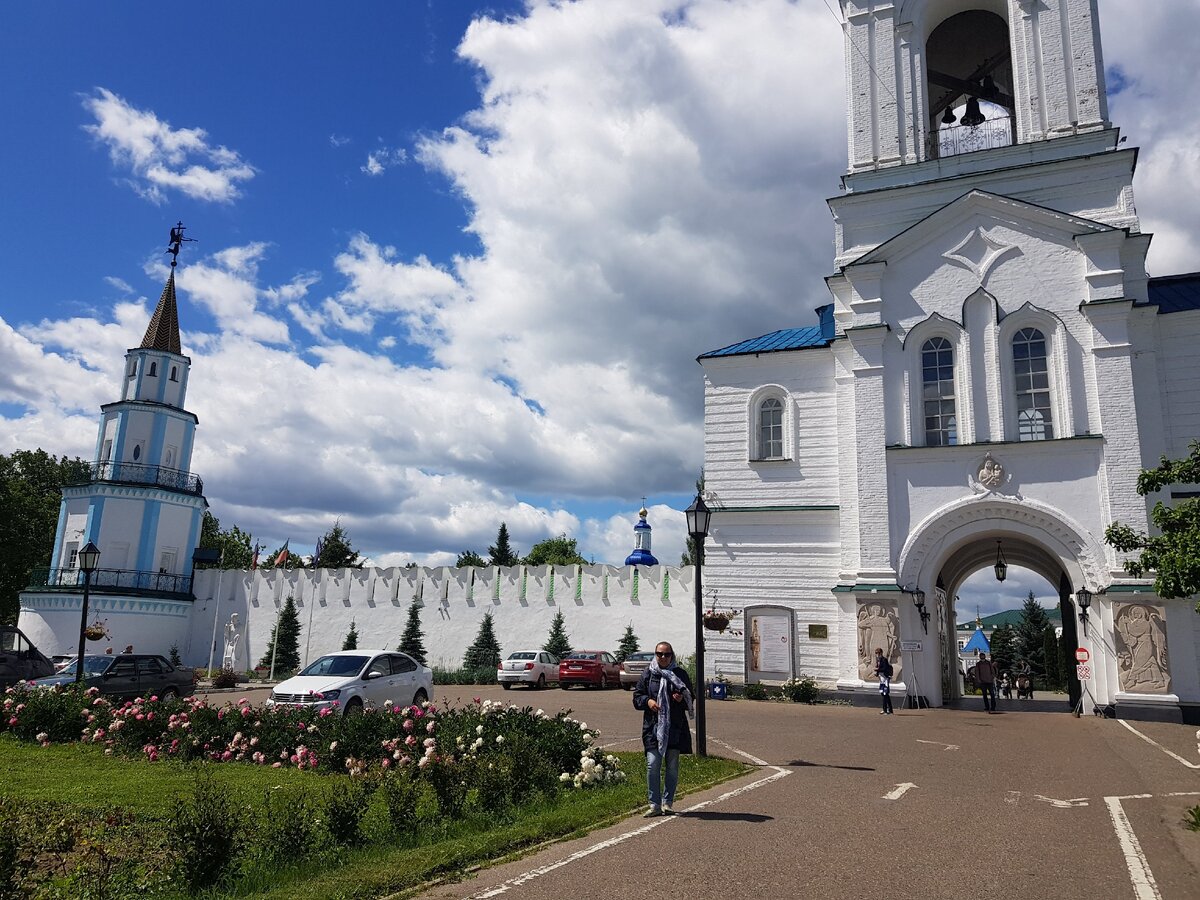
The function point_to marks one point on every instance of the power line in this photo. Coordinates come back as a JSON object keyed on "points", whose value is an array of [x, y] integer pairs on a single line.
{"points": [[866, 59]]}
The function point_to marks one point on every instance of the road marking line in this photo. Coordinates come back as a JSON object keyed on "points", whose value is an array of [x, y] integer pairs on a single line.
{"points": [[526, 877], [1184, 794], [1155, 743], [939, 743], [899, 791], [1144, 886], [1013, 796], [1063, 804], [754, 759]]}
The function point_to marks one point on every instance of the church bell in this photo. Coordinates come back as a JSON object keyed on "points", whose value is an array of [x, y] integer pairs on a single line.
{"points": [[973, 116]]}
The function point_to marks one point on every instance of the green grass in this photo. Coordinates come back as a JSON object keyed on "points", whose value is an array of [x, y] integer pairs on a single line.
{"points": [[83, 779]]}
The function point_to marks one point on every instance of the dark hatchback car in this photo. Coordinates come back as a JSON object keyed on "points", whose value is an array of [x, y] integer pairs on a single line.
{"points": [[127, 676], [19, 659]]}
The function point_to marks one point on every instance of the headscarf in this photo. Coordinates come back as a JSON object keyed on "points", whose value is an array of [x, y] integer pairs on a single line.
{"points": [[667, 683]]}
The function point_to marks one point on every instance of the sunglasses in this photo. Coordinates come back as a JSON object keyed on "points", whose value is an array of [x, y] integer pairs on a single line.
{"points": [[656, 653]]}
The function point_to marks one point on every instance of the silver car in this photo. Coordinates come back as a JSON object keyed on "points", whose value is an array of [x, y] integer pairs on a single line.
{"points": [[351, 680], [633, 667]]}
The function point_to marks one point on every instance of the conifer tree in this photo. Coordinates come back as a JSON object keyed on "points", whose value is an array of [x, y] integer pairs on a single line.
{"points": [[485, 652], [629, 644], [412, 640], [557, 643], [1050, 655], [351, 641], [1030, 633], [502, 554], [1003, 648], [287, 631]]}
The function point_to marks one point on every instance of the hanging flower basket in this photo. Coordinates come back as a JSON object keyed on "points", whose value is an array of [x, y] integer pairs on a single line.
{"points": [[97, 631], [715, 621]]}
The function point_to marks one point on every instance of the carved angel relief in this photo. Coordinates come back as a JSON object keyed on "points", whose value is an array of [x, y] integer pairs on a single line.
{"points": [[1140, 634]]}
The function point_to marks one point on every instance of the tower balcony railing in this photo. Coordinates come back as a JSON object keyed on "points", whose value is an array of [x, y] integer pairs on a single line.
{"points": [[954, 140], [136, 473], [113, 581]]}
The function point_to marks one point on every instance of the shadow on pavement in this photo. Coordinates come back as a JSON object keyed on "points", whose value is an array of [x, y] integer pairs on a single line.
{"points": [[726, 817], [805, 762]]}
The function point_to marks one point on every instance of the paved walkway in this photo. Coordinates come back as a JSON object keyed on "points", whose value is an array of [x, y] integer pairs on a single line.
{"points": [[845, 803]]}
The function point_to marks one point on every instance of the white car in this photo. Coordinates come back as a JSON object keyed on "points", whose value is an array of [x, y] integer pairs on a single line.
{"points": [[352, 680], [535, 668]]}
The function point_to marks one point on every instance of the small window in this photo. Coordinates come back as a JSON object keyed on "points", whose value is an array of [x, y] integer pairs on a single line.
{"points": [[149, 666], [137, 452], [1034, 420], [402, 664], [174, 373], [153, 371], [937, 393], [132, 367], [123, 668], [770, 429], [379, 666]]}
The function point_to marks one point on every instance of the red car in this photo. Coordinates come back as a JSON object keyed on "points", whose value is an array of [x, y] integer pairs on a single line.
{"points": [[597, 668]]}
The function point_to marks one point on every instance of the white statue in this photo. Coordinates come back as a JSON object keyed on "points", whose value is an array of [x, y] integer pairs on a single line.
{"points": [[232, 634]]}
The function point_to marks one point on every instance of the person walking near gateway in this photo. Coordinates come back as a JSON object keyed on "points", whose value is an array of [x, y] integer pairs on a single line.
{"points": [[664, 695], [985, 677], [883, 669]]}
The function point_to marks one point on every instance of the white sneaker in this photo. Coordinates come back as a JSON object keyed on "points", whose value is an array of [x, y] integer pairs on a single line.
{"points": [[668, 809]]}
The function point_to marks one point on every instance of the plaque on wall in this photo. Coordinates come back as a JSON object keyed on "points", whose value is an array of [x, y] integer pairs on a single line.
{"points": [[818, 632]]}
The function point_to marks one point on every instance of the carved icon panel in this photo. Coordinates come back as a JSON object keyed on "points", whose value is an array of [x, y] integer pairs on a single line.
{"points": [[1140, 633], [878, 626]]}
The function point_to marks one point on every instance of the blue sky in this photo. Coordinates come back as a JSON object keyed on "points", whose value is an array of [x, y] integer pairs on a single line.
{"points": [[455, 259]]}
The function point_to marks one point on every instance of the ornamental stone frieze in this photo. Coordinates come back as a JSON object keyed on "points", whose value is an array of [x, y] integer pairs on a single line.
{"points": [[1140, 636]]}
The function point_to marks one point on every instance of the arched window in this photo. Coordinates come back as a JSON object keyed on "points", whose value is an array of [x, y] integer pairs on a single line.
{"points": [[132, 367], [937, 393], [1034, 420], [770, 429], [174, 373], [153, 370]]}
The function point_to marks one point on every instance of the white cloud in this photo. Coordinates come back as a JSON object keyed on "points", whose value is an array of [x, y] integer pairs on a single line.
{"points": [[646, 179], [160, 158], [379, 161], [339, 140], [119, 283]]}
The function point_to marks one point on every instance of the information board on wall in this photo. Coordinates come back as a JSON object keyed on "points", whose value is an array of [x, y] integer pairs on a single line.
{"points": [[770, 644]]}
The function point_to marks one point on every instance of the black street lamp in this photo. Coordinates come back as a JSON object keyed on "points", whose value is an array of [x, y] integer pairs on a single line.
{"points": [[918, 597], [1001, 563], [88, 558], [1084, 598], [698, 518]]}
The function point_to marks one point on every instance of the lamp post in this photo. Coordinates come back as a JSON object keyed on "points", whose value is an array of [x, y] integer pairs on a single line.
{"points": [[1084, 598], [88, 558], [698, 518]]}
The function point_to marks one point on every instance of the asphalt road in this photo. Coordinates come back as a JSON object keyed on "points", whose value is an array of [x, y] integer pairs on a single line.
{"points": [[845, 803]]}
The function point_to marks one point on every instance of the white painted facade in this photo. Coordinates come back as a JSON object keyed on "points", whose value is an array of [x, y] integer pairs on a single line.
{"points": [[862, 501]]}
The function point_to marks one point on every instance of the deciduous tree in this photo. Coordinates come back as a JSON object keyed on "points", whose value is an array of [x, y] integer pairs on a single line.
{"points": [[234, 543], [470, 558], [555, 551], [30, 495], [1173, 555]]}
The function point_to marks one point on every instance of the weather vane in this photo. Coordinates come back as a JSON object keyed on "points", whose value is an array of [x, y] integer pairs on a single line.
{"points": [[177, 239]]}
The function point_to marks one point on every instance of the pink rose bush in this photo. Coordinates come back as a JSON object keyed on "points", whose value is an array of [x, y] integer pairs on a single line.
{"points": [[454, 749]]}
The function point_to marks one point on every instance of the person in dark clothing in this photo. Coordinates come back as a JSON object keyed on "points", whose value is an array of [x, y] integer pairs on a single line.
{"points": [[664, 695], [883, 669], [985, 677]]}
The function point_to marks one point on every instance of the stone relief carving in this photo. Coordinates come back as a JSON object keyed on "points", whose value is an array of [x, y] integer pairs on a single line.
{"points": [[1140, 633], [878, 626], [989, 476], [978, 252]]}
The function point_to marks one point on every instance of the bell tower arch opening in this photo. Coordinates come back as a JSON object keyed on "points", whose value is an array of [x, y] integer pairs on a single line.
{"points": [[969, 84]]}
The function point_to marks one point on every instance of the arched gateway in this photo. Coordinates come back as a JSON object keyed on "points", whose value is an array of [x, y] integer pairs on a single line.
{"points": [[994, 364]]}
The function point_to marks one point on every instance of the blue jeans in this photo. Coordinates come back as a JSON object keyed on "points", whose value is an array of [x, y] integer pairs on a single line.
{"points": [[654, 765], [988, 690]]}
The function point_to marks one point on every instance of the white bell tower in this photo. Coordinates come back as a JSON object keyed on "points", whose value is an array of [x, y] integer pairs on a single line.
{"points": [[919, 71]]}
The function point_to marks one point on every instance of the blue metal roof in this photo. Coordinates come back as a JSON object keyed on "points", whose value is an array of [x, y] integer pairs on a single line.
{"points": [[977, 642], [1176, 293], [786, 339]]}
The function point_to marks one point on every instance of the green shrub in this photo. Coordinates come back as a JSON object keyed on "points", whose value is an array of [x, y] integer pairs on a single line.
{"points": [[1192, 818], [801, 689], [451, 780], [225, 678], [754, 691], [208, 829], [345, 805], [11, 864], [486, 675], [286, 826], [401, 792]]}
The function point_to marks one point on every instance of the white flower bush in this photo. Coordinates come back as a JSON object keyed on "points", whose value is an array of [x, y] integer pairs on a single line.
{"points": [[595, 768]]}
